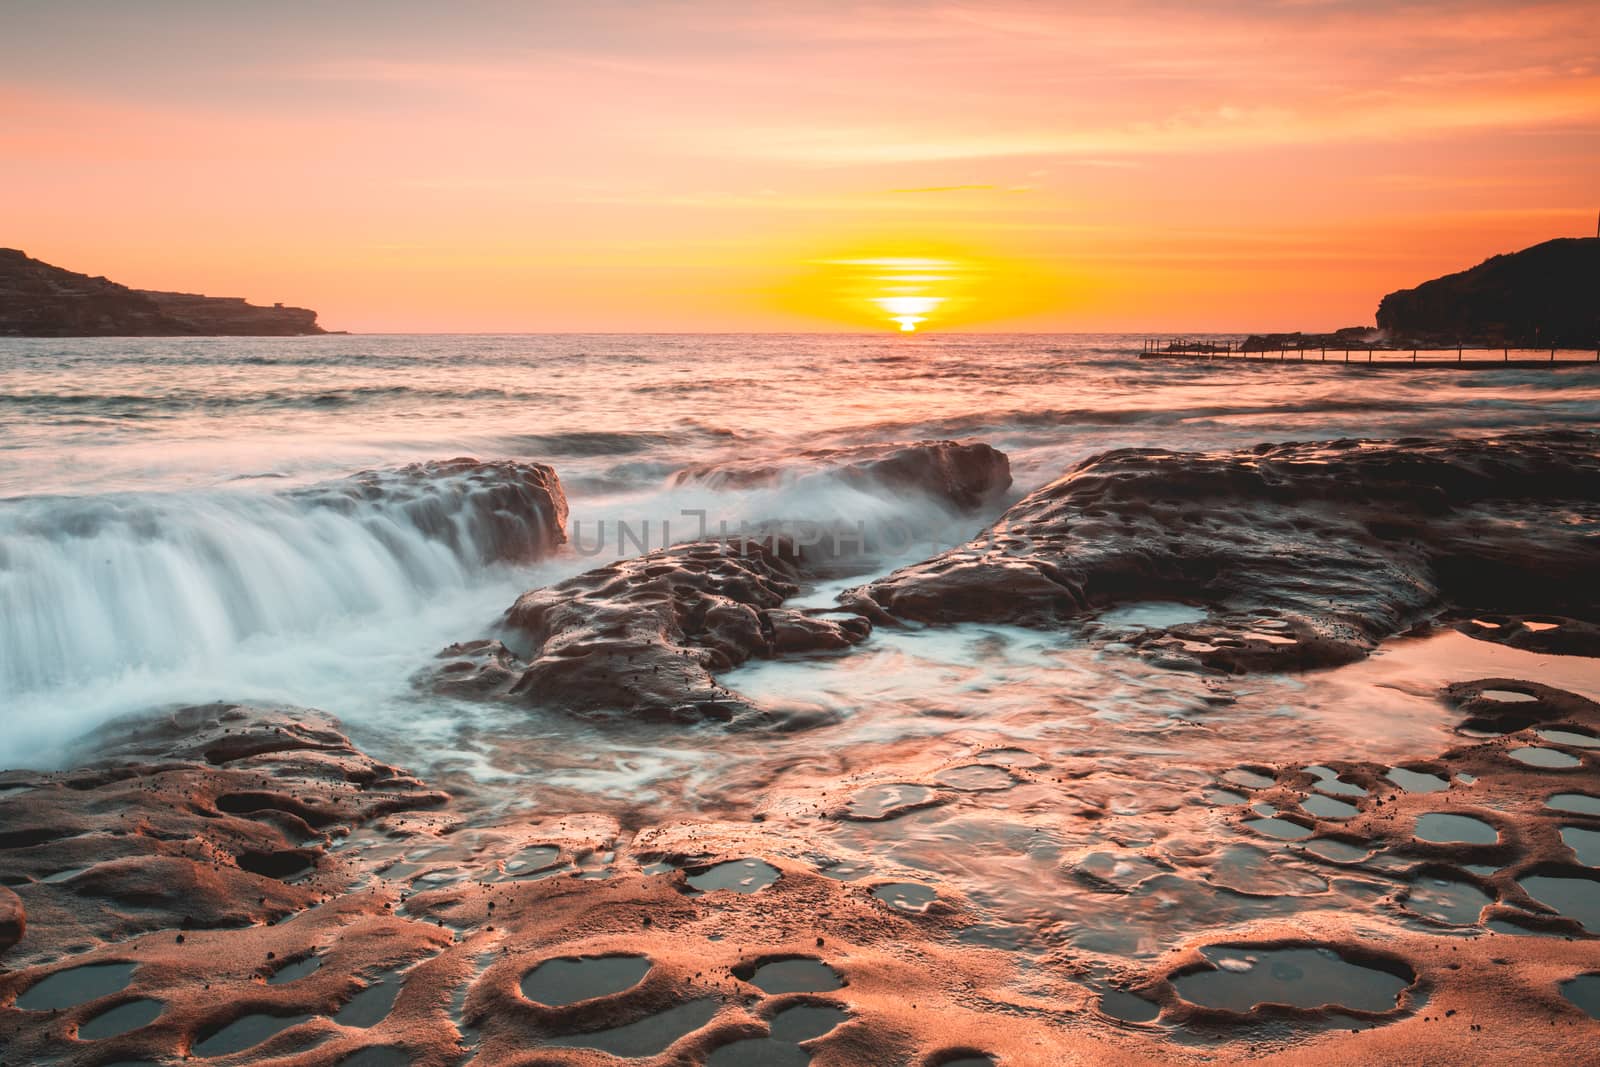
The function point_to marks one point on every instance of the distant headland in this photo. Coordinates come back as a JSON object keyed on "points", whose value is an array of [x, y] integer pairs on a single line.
{"points": [[1541, 297], [41, 300], [1545, 296]]}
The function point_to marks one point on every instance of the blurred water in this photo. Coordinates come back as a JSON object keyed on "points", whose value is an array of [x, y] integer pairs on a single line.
{"points": [[156, 544]]}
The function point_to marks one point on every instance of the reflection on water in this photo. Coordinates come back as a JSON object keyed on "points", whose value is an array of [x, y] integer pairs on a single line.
{"points": [[566, 981], [76, 985], [1015, 768], [1444, 828], [795, 976], [741, 876], [1240, 978], [121, 1019], [1447, 901], [645, 1037], [245, 1032]]}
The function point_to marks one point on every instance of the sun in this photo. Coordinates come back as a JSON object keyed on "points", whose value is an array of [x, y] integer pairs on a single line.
{"points": [[906, 291], [913, 286], [909, 311]]}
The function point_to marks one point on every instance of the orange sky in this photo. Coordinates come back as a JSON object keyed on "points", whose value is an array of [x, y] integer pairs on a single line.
{"points": [[728, 166]]}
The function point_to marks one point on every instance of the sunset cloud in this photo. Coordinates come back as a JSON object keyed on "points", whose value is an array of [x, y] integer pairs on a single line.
{"points": [[191, 145]]}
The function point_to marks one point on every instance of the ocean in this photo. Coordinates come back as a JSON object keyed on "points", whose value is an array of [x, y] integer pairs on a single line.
{"points": [[1051, 816], [158, 542]]}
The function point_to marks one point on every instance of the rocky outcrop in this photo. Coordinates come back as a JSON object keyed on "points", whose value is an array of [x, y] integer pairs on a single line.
{"points": [[13, 919], [1302, 554], [1548, 634], [214, 816], [1540, 297], [496, 510], [231, 316], [644, 637], [1346, 339], [41, 300], [962, 475]]}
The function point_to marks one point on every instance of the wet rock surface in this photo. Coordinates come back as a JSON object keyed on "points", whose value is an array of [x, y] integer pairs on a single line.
{"points": [[427, 931], [646, 636], [1535, 633], [497, 510], [1016, 852], [1474, 832], [214, 817], [963, 475], [1300, 555], [13, 919]]}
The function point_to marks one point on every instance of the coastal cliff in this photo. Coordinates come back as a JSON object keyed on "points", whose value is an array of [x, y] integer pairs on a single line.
{"points": [[1544, 296], [41, 300]]}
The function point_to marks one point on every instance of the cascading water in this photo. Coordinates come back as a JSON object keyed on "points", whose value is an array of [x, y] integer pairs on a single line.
{"points": [[101, 589]]}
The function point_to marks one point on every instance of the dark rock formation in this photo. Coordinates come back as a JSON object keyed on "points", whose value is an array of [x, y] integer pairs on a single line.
{"points": [[643, 637], [13, 919], [1304, 554], [40, 300], [216, 816], [502, 510], [1549, 634], [231, 316], [1347, 339], [1542, 297], [964, 475]]}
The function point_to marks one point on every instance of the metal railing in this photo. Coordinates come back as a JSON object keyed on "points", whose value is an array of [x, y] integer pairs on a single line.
{"points": [[1364, 355]]}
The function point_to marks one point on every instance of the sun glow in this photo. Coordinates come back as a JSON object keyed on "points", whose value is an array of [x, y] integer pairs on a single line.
{"points": [[904, 290], [909, 311], [914, 286]]}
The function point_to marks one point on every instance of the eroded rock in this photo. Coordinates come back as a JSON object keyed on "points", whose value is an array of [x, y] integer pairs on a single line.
{"points": [[1304, 555], [214, 816], [1551, 634], [965, 475], [645, 636], [13, 919], [1468, 829], [499, 511]]}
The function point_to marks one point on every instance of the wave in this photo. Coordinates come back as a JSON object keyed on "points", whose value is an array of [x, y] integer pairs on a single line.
{"points": [[1065, 418], [1420, 413], [96, 586], [608, 442], [141, 405]]}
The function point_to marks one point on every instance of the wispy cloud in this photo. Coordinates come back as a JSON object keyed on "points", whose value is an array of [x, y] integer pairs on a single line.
{"points": [[635, 136], [947, 189]]}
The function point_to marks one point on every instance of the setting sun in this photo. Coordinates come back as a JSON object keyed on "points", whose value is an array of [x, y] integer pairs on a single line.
{"points": [[919, 285]]}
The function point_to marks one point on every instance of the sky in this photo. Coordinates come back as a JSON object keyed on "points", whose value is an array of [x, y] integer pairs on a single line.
{"points": [[688, 165]]}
